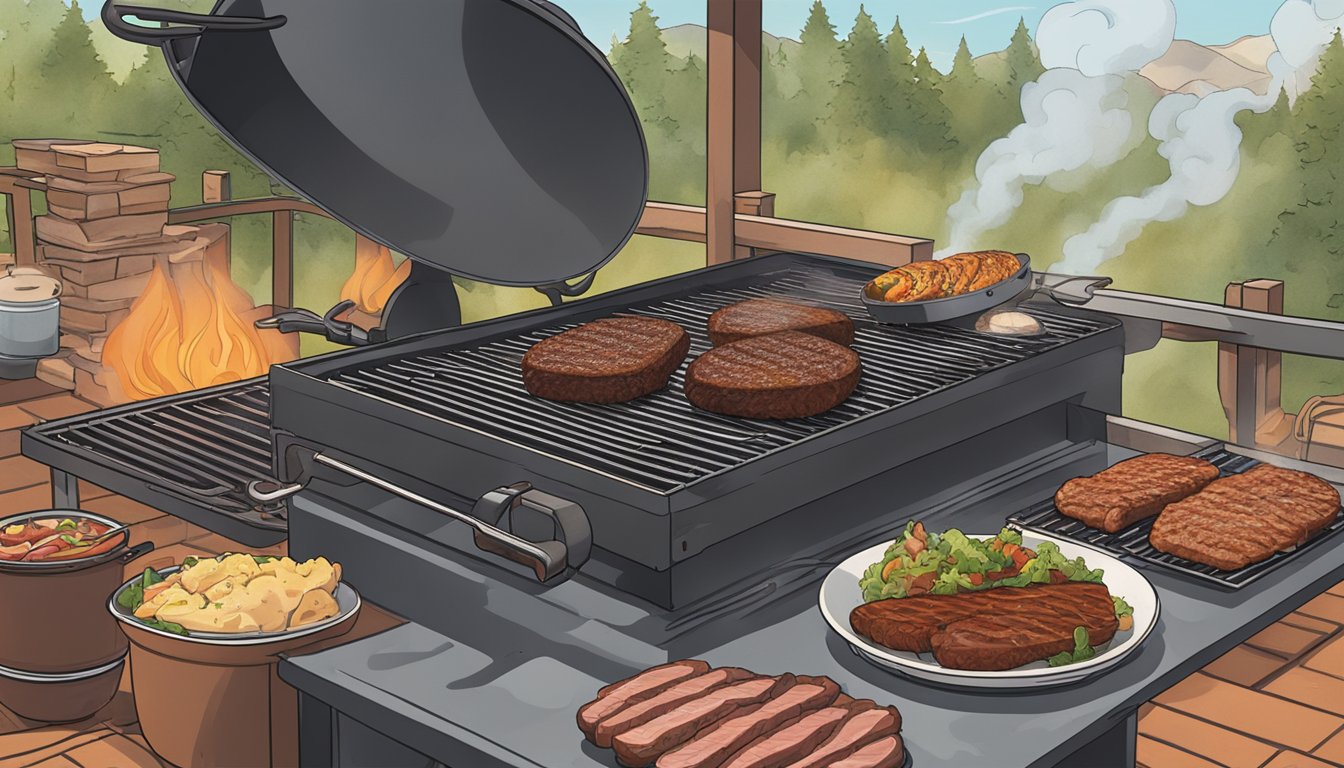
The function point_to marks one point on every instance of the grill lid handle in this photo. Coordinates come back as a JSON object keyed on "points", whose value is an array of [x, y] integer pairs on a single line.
{"points": [[548, 559]]}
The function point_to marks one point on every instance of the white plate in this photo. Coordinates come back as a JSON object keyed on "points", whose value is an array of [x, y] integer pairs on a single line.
{"points": [[347, 599], [840, 594]]}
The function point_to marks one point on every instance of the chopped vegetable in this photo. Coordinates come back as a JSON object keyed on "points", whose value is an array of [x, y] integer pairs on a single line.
{"points": [[34, 540], [1121, 607], [1082, 650]]}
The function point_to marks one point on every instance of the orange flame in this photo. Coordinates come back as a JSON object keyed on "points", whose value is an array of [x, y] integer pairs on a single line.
{"points": [[374, 278], [186, 332]]}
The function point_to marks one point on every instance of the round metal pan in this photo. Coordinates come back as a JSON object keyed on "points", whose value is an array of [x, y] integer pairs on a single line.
{"points": [[488, 138], [952, 307]]}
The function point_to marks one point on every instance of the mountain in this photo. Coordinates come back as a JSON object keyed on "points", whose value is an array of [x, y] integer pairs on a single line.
{"points": [[1251, 51], [1189, 67]]}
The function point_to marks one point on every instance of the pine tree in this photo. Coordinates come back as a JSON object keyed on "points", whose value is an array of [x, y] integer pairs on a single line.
{"points": [[1024, 66], [863, 97], [929, 117], [901, 66], [646, 68], [819, 58], [975, 105], [74, 79], [1256, 128], [1313, 223], [787, 115]]}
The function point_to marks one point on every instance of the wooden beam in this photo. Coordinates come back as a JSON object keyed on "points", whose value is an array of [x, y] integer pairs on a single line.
{"points": [[282, 258], [194, 213], [215, 187], [19, 216], [1250, 379], [720, 131], [746, 95], [688, 222]]}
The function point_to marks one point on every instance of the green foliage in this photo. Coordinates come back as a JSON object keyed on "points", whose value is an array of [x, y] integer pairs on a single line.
{"points": [[863, 97], [1024, 65]]}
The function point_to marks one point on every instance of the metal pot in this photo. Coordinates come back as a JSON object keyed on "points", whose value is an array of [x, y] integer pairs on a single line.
{"points": [[30, 320], [58, 607]]}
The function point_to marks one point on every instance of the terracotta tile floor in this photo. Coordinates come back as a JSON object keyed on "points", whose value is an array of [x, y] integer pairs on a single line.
{"points": [[1275, 702]]}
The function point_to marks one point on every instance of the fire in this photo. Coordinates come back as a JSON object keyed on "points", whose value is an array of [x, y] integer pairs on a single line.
{"points": [[374, 278], [186, 332]]}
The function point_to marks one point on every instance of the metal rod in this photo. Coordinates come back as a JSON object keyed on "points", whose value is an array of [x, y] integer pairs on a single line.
{"points": [[64, 490]]}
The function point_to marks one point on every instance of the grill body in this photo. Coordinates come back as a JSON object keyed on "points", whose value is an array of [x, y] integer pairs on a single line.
{"points": [[682, 502]]}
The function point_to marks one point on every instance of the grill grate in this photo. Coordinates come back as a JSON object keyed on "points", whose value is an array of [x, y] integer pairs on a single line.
{"points": [[208, 445], [660, 442], [1044, 518]]}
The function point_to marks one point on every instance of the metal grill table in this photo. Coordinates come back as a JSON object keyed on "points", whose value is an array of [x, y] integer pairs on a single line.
{"points": [[191, 455]]}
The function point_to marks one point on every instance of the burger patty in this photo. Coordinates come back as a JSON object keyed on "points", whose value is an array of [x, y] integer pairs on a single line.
{"points": [[761, 317], [606, 361], [995, 629], [785, 375], [1132, 490], [1243, 519]]}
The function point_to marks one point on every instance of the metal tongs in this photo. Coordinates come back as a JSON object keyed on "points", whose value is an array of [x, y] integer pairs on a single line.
{"points": [[307, 321]]}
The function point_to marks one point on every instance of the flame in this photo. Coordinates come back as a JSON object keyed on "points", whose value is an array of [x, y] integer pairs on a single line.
{"points": [[186, 332], [374, 278]]}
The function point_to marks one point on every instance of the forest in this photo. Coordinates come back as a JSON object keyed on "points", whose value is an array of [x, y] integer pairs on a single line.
{"points": [[859, 129]]}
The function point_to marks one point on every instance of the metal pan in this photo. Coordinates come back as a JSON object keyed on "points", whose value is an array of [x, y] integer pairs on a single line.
{"points": [[953, 307]]}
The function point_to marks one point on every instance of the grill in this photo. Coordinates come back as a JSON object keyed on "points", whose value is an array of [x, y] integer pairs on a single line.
{"points": [[192, 455], [445, 416], [660, 443], [1044, 518]]}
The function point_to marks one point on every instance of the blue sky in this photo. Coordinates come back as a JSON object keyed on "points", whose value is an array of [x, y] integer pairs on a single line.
{"points": [[987, 24]]}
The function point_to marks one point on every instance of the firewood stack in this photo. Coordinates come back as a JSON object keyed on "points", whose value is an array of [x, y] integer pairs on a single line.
{"points": [[106, 227]]}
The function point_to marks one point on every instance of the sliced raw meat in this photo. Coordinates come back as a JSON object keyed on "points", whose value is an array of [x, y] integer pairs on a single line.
{"points": [[642, 686], [797, 739], [637, 714], [886, 752], [852, 734]]}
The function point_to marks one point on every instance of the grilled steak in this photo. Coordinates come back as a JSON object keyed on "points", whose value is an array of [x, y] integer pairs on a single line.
{"points": [[606, 361], [785, 375], [1132, 490], [710, 747], [996, 629], [798, 738], [760, 317], [642, 686], [635, 715], [852, 734], [886, 752], [643, 745], [1243, 519]]}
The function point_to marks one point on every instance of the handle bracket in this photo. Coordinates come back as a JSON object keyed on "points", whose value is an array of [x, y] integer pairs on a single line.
{"points": [[114, 18]]}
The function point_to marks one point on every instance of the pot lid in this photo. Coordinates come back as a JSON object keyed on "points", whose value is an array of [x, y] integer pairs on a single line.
{"points": [[27, 285], [485, 137]]}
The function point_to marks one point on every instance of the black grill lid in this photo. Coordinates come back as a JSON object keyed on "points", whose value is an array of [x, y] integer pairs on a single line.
{"points": [[485, 137]]}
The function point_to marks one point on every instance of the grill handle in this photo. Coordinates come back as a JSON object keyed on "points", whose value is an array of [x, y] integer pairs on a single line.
{"points": [[547, 559]]}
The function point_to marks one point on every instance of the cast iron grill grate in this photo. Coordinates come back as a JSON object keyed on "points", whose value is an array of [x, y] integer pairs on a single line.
{"points": [[1045, 519], [207, 445], [660, 442]]}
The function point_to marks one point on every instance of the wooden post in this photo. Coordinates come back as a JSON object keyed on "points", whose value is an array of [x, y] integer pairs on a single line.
{"points": [[733, 141], [1249, 379], [215, 187], [282, 259], [19, 216]]}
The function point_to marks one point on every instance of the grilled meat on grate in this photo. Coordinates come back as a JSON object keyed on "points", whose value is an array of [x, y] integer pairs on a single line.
{"points": [[1133, 489], [1243, 519], [996, 629], [787, 375], [761, 317], [606, 361]]}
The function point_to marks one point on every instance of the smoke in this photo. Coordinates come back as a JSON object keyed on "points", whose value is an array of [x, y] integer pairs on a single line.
{"points": [[1075, 114], [1200, 139]]}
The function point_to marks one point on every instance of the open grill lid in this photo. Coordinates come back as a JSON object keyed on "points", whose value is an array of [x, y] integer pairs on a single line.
{"points": [[488, 138]]}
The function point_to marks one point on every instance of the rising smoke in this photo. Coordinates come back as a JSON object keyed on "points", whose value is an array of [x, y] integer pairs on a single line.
{"points": [[1201, 141], [1075, 114]]}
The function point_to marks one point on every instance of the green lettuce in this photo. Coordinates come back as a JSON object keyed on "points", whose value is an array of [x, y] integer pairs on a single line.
{"points": [[1082, 650]]}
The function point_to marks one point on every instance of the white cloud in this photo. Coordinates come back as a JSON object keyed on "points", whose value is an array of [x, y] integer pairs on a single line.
{"points": [[987, 14]]}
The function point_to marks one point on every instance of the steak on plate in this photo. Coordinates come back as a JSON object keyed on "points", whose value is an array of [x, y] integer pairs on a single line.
{"points": [[760, 317], [640, 687], [710, 747], [643, 745], [1243, 519], [1132, 490], [995, 629], [787, 375], [606, 361]]}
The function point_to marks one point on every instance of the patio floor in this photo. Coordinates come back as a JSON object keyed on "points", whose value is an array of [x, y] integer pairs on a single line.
{"points": [[1275, 702]]}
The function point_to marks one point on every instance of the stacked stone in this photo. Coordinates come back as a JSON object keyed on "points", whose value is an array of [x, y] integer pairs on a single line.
{"points": [[107, 223]]}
